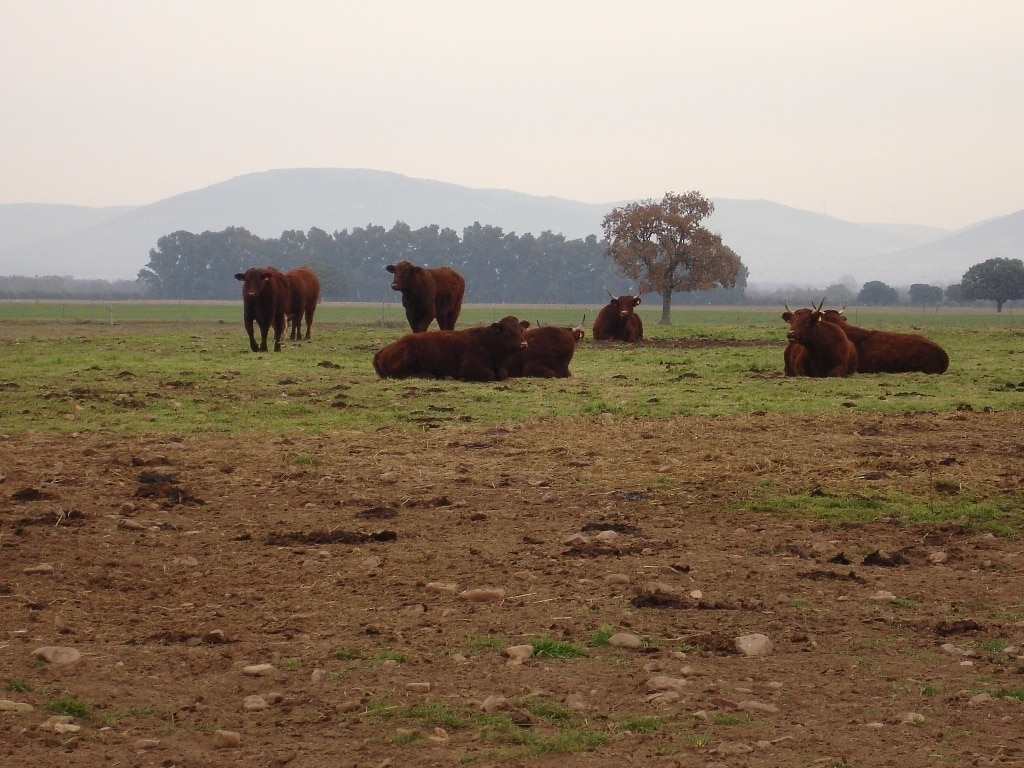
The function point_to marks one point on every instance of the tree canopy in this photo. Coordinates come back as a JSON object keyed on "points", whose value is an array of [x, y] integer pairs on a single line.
{"points": [[999, 280], [925, 295], [875, 293], [664, 248]]}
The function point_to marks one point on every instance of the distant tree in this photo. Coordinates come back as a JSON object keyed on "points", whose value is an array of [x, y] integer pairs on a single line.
{"points": [[664, 248], [925, 295], [955, 293], [839, 294], [878, 294], [999, 280]]}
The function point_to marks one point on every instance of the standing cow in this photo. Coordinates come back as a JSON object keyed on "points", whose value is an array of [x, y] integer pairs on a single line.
{"points": [[890, 352], [549, 350], [829, 352], [617, 321], [428, 294], [473, 354], [266, 300], [305, 294]]}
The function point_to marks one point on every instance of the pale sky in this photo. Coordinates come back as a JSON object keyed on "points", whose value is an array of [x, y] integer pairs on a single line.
{"points": [[908, 111]]}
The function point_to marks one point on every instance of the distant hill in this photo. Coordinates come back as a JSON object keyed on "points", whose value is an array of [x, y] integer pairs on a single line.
{"points": [[778, 244]]}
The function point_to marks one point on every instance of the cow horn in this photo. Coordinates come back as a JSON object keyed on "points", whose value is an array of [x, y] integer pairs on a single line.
{"points": [[786, 305], [610, 296], [818, 308], [580, 326]]}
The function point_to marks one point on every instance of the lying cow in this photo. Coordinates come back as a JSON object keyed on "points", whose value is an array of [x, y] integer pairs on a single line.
{"points": [[473, 354], [828, 351], [548, 352], [266, 300], [794, 358], [890, 352], [617, 321], [428, 294], [305, 294]]}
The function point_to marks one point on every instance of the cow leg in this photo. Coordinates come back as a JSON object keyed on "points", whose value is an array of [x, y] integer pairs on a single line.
{"points": [[309, 324], [252, 335], [264, 330], [278, 332]]}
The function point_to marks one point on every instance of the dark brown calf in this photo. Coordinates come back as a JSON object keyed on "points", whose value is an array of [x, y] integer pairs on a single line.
{"points": [[428, 294], [305, 294], [618, 322], [890, 352], [829, 352], [548, 352], [266, 299], [473, 354]]}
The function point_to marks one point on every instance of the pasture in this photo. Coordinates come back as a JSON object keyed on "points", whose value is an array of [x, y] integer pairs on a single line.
{"points": [[278, 559]]}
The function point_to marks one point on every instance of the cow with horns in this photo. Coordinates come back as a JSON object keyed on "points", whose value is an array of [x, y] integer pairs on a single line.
{"points": [[549, 350], [617, 321], [828, 351]]}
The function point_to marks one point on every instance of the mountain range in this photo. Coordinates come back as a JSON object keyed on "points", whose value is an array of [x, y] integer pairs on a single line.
{"points": [[780, 245]]}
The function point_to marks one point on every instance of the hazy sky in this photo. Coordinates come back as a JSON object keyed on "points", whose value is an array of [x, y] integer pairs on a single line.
{"points": [[869, 110]]}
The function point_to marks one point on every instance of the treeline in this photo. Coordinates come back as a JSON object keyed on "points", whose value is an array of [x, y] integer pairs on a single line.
{"points": [[62, 287], [499, 267]]}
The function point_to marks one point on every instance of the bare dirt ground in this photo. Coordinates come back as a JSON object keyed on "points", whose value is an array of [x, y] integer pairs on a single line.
{"points": [[179, 566]]}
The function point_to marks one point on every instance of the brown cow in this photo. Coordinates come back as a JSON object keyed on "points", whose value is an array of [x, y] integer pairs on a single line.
{"points": [[305, 293], [266, 299], [794, 359], [473, 354], [428, 294], [617, 321], [828, 353], [890, 352], [548, 352]]}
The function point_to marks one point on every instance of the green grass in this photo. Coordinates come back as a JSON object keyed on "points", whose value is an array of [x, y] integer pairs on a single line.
{"points": [[185, 367], [556, 649], [68, 706], [18, 685]]}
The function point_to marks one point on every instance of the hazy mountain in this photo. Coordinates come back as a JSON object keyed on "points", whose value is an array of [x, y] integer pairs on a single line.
{"points": [[778, 244]]}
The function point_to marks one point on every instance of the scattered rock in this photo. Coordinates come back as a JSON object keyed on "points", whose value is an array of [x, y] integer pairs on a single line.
{"points": [[616, 578], [43, 569], [258, 670], [757, 707], [418, 687], [255, 703], [625, 640], [141, 745], [442, 587], [938, 558], [318, 676], [517, 654], [912, 718], [57, 655], [754, 645], [6, 705], [882, 596], [227, 739]]}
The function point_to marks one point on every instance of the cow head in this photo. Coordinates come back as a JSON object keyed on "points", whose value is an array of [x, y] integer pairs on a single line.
{"points": [[509, 332], [404, 273], [623, 304], [802, 321], [254, 280]]}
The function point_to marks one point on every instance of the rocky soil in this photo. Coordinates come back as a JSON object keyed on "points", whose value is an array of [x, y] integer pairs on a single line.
{"points": [[598, 593]]}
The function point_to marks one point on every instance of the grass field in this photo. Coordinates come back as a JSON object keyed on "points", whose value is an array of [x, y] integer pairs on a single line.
{"points": [[172, 366]]}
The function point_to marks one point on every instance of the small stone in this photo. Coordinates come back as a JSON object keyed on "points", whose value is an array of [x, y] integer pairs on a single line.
{"points": [[495, 703], [258, 670], [876, 725], [43, 569], [938, 558], [696, 594], [6, 705], [881, 596], [227, 739], [57, 655], [255, 703], [616, 578], [664, 683], [758, 707], [625, 640], [418, 687], [318, 676], [733, 748], [607, 536], [549, 498], [912, 718], [141, 745], [754, 645], [577, 540], [130, 525], [517, 654], [214, 637], [981, 698], [576, 702], [440, 736], [442, 587]]}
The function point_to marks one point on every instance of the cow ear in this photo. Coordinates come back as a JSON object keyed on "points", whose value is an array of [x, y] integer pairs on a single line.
{"points": [[636, 301], [787, 316], [525, 324], [390, 268], [239, 276]]}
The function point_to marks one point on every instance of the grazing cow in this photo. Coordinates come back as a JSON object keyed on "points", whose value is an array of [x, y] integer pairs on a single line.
{"points": [[829, 352], [617, 321], [305, 293], [428, 294], [473, 354], [266, 299], [890, 352], [548, 352]]}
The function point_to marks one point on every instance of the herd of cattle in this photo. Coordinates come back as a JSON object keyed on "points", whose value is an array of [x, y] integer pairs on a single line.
{"points": [[820, 342]]}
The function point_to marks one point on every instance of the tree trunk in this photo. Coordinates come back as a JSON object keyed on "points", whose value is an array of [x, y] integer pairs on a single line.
{"points": [[999, 305], [666, 308]]}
